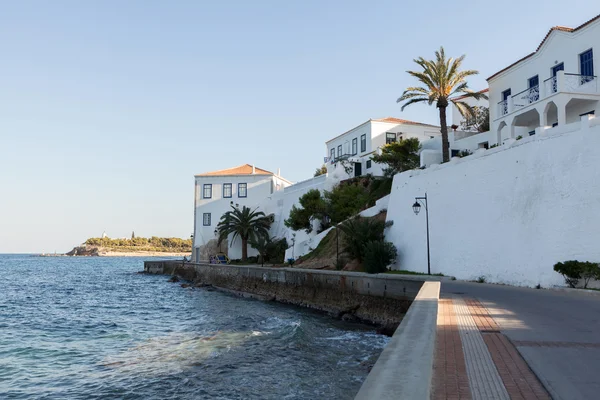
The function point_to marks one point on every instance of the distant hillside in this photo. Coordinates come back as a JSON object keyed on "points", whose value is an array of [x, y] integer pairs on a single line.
{"points": [[93, 246]]}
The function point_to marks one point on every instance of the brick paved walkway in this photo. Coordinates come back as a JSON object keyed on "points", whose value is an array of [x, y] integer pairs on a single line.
{"points": [[474, 360]]}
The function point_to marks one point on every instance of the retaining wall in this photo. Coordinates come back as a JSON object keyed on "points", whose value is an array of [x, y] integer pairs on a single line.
{"points": [[509, 213], [378, 299]]}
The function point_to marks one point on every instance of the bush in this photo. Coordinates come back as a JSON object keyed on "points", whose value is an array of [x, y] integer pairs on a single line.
{"points": [[340, 263], [359, 231], [312, 206], [276, 250], [574, 270], [378, 255], [346, 200]]}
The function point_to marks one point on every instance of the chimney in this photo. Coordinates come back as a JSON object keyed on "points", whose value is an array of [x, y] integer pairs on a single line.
{"points": [[253, 169], [278, 171]]}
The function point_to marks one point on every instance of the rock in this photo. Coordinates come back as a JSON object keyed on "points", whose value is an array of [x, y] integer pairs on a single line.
{"points": [[173, 279], [185, 285], [387, 329]]}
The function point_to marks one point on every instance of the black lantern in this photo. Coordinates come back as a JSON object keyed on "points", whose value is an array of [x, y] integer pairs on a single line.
{"points": [[416, 207], [216, 232]]}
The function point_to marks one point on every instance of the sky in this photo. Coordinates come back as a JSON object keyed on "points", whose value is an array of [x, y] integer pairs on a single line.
{"points": [[109, 108]]}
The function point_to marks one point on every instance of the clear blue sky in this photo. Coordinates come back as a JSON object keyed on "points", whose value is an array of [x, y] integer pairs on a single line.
{"points": [[109, 108]]}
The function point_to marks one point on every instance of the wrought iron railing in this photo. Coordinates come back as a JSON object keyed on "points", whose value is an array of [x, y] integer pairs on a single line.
{"points": [[580, 83], [526, 97], [503, 107], [551, 85]]}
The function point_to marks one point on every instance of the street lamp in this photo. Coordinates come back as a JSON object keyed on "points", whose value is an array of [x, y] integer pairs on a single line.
{"points": [[416, 208], [216, 232]]}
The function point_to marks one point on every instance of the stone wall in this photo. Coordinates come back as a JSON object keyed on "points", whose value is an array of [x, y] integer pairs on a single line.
{"points": [[378, 299]]}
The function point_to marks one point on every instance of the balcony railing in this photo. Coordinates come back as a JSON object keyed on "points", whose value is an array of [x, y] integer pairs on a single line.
{"points": [[503, 107], [551, 85], [526, 97], [561, 83], [580, 83]]}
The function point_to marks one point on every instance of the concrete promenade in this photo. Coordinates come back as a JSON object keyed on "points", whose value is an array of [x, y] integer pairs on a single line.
{"points": [[502, 342]]}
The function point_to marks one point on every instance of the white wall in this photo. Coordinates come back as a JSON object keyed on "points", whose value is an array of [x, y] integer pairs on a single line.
{"points": [[559, 47], [508, 213]]}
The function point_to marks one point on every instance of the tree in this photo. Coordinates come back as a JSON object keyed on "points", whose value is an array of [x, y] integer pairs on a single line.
{"points": [[312, 206], [321, 171], [399, 156], [479, 122], [245, 224], [442, 79]]}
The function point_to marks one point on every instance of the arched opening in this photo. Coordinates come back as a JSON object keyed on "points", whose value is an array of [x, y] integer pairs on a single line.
{"points": [[576, 108], [551, 114], [500, 134], [525, 124]]}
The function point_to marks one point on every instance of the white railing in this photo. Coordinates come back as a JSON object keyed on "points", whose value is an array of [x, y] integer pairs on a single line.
{"points": [[503, 107], [526, 97], [580, 83], [551, 85]]}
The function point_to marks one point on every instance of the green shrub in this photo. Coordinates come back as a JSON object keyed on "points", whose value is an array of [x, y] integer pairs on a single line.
{"points": [[276, 250], [399, 156], [378, 255], [357, 232], [346, 200], [312, 205], [574, 270]]}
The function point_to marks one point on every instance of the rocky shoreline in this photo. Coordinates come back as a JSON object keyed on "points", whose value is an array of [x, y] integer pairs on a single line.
{"points": [[97, 251]]}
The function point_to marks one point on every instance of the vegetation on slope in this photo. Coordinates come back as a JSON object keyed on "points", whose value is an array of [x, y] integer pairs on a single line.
{"points": [[154, 244]]}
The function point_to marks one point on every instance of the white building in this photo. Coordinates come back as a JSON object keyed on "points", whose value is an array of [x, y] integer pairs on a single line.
{"points": [[554, 85], [349, 154], [245, 185]]}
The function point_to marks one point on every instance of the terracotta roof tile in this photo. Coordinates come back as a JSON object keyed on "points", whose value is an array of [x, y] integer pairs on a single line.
{"points": [[245, 169], [554, 28], [393, 120]]}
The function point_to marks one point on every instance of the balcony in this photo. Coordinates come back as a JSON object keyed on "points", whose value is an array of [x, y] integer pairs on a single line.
{"points": [[561, 83]]}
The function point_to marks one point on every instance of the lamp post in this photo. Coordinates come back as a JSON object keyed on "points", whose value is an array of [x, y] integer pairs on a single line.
{"points": [[416, 208]]}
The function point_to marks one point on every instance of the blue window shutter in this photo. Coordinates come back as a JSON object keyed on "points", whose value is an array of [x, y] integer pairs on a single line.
{"points": [[586, 63]]}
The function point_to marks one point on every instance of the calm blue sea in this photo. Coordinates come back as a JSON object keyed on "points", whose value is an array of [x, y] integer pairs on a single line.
{"points": [[93, 328]]}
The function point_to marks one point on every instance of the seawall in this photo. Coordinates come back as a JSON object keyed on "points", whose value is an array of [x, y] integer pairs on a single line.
{"points": [[378, 299]]}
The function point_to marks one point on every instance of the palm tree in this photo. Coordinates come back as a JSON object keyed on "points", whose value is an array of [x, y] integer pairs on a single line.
{"points": [[442, 79], [245, 223]]}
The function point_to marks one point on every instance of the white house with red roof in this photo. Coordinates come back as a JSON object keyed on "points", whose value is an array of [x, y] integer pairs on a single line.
{"points": [[215, 192], [349, 154], [554, 85]]}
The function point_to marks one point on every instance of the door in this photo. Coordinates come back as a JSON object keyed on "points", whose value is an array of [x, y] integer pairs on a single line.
{"points": [[534, 90], [556, 68], [357, 169]]}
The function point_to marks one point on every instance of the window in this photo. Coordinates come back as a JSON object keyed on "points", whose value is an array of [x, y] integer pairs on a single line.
{"points": [[207, 191], [206, 219], [454, 153], [363, 143], [390, 137], [332, 154], [227, 190], [586, 65], [531, 133], [242, 190], [354, 146], [368, 164], [339, 151], [593, 112]]}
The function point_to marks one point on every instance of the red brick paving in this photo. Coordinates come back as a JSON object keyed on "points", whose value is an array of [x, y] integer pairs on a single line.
{"points": [[519, 380], [450, 380]]}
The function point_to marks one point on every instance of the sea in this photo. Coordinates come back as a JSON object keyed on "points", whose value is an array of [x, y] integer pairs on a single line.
{"points": [[96, 328]]}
